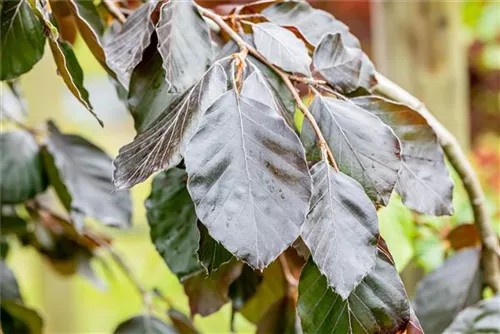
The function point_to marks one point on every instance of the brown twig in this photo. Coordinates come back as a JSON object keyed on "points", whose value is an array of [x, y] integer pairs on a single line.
{"points": [[459, 161], [114, 11], [283, 75], [291, 280]]}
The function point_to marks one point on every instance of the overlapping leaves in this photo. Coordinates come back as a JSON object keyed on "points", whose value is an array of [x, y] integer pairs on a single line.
{"points": [[424, 182], [247, 176], [370, 157], [162, 145], [378, 305], [341, 229]]}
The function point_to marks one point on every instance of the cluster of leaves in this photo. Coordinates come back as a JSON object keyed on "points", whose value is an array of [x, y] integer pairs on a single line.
{"points": [[242, 188]]}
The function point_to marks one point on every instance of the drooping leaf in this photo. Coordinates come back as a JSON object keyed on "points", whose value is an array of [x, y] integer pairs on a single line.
{"points": [[162, 145], [448, 290], [312, 23], [76, 169], [144, 324], [481, 318], [22, 39], [211, 253], [17, 318], [247, 176], [364, 147], [172, 220], [8, 284], [424, 182], [88, 22], [182, 324], [378, 305], [21, 169], [207, 294], [340, 65], [124, 51], [13, 104], [184, 43], [282, 48], [341, 229], [280, 318], [71, 72], [244, 287], [148, 94]]}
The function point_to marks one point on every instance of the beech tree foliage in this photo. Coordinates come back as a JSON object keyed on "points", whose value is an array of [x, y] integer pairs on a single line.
{"points": [[249, 204]]}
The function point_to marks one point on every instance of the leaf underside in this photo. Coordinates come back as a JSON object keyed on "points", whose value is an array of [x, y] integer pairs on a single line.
{"points": [[124, 51], [162, 145]]}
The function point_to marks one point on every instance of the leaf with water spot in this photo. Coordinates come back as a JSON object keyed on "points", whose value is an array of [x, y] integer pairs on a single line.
{"points": [[248, 176]]}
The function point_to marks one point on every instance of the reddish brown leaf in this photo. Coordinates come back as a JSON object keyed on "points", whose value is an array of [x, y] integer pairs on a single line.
{"points": [[208, 294], [463, 236]]}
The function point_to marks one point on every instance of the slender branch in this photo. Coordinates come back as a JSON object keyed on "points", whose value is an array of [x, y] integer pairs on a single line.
{"points": [[291, 280], [459, 161], [114, 11], [283, 75]]}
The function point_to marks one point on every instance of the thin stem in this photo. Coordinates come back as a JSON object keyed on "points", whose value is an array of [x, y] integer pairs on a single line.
{"points": [[291, 280], [242, 16], [114, 11], [283, 75], [459, 161]]}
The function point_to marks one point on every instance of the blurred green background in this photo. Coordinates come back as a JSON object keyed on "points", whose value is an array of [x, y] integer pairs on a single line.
{"points": [[419, 244]]}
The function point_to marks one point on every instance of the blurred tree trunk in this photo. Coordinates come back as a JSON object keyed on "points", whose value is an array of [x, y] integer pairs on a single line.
{"points": [[419, 45]]}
